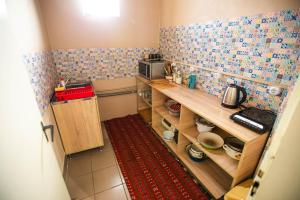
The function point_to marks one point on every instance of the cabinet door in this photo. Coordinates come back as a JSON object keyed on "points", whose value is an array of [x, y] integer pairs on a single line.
{"points": [[79, 124]]}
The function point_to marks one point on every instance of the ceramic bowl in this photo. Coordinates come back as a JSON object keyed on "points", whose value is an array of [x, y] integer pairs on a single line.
{"points": [[233, 147], [232, 153], [203, 125], [194, 153], [168, 135], [210, 140], [204, 128]]}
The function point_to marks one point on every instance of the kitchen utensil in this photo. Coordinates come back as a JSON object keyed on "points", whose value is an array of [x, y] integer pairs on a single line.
{"points": [[194, 153], [231, 98], [255, 119], [203, 125], [210, 140]]}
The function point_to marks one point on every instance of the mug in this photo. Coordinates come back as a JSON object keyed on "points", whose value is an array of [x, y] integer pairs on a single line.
{"points": [[232, 153]]}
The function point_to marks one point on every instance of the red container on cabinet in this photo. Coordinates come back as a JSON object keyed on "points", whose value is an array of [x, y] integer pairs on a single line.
{"points": [[75, 93]]}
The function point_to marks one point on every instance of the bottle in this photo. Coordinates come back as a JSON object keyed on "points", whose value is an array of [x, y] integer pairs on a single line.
{"points": [[192, 80], [178, 78]]}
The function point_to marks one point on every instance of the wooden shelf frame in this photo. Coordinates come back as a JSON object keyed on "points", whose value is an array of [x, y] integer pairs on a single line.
{"points": [[218, 173]]}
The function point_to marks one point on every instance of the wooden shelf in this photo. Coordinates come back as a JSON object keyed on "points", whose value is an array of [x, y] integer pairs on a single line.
{"points": [[214, 179], [163, 111], [219, 156], [207, 106], [219, 172], [171, 144]]}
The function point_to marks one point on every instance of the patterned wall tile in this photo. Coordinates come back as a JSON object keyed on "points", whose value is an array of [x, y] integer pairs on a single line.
{"points": [[264, 46], [43, 76], [99, 63]]}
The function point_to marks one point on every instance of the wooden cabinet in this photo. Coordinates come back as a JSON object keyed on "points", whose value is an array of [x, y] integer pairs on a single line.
{"points": [[218, 172], [79, 124]]}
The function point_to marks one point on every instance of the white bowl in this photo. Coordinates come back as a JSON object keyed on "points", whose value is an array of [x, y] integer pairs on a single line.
{"points": [[168, 135], [203, 128]]}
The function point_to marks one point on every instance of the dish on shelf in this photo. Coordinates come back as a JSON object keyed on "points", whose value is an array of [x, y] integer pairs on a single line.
{"points": [[194, 153], [173, 107], [233, 147], [210, 140], [168, 135], [203, 125]]}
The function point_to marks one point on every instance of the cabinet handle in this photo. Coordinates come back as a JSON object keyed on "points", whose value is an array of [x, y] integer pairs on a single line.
{"points": [[44, 128]]}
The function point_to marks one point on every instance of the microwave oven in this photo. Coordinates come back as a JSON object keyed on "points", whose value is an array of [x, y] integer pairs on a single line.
{"points": [[152, 69]]}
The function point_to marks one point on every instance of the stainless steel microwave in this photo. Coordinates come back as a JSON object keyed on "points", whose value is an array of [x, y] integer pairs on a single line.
{"points": [[152, 69]]}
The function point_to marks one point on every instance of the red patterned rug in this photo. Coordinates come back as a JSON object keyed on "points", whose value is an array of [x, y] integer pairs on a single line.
{"points": [[149, 170]]}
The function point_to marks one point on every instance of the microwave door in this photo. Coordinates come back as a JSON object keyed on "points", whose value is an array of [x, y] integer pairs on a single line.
{"points": [[143, 69], [149, 73]]}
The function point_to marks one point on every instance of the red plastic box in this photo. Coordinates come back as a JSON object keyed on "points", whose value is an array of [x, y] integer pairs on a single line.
{"points": [[75, 93]]}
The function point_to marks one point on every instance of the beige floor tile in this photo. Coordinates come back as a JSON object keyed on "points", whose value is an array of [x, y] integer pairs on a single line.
{"points": [[104, 132], [81, 186], [121, 175], [103, 159], [106, 178], [79, 165], [127, 192], [107, 145], [116, 193]]}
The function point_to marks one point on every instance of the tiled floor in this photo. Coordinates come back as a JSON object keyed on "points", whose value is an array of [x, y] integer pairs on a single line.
{"points": [[95, 175]]}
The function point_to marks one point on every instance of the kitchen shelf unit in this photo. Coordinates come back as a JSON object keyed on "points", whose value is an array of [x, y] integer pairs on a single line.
{"points": [[218, 172]]}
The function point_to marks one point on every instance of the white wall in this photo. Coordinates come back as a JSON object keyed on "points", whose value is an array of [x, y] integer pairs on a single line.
{"points": [[282, 161]]}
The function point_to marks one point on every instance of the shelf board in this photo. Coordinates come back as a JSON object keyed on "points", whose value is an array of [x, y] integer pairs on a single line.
{"points": [[163, 111], [171, 144], [218, 156], [216, 181]]}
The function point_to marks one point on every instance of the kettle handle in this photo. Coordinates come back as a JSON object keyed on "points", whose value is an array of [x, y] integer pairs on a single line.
{"points": [[244, 95]]}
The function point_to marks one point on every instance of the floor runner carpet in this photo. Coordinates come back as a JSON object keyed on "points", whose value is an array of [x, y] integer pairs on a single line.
{"points": [[149, 170]]}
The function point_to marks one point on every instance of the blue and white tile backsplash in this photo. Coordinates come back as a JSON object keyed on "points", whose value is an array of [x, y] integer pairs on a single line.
{"points": [[43, 76], [99, 63], [264, 46]]}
